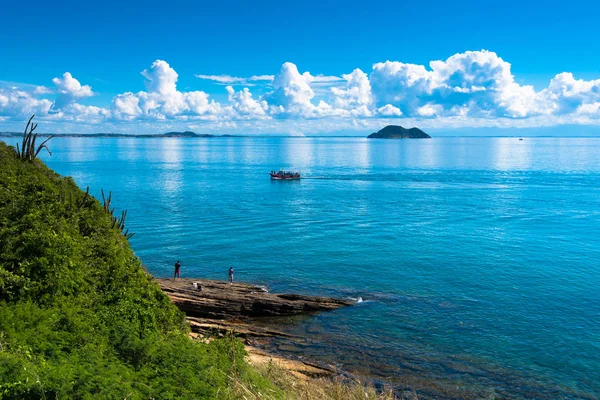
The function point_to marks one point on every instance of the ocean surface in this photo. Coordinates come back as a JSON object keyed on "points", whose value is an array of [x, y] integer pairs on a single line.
{"points": [[477, 259]]}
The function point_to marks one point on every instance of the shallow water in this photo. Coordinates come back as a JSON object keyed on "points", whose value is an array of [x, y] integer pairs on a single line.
{"points": [[478, 259]]}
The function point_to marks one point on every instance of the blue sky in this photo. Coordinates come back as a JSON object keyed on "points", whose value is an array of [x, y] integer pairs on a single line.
{"points": [[310, 51]]}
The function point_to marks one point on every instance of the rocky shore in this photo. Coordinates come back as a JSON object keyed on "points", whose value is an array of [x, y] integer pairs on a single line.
{"points": [[217, 307]]}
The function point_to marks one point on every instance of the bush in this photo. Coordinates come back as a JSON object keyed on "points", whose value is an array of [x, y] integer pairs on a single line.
{"points": [[79, 317]]}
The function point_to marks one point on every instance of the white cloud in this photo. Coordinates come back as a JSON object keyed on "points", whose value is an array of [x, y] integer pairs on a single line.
{"points": [[591, 109], [478, 83], [222, 78], [474, 88], [429, 110], [162, 100], [69, 90], [389, 111], [42, 90], [566, 94], [244, 105], [326, 79], [356, 97], [160, 78], [292, 93], [228, 79], [268, 78], [19, 104]]}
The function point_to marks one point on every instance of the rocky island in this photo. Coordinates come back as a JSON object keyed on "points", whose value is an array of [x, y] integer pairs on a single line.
{"points": [[398, 132]]}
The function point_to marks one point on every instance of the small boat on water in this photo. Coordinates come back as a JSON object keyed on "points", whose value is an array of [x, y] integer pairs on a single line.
{"points": [[284, 175]]}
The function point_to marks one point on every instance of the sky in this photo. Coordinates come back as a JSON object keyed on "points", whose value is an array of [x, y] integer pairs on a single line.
{"points": [[311, 67]]}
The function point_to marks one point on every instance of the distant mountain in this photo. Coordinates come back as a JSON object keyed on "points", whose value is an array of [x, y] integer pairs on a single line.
{"points": [[398, 132], [185, 134]]}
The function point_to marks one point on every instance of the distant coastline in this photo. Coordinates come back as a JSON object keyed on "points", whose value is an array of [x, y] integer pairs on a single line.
{"points": [[186, 134]]}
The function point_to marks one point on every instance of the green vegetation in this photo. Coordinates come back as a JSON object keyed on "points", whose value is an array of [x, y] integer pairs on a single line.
{"points": [[79, 317]]}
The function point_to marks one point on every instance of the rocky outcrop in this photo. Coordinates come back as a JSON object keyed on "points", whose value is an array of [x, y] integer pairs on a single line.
{"points": [[398, 132], [217, 309], [218, 300]]}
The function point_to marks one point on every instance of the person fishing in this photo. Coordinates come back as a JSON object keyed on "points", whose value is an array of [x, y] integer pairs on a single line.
{"points": [[177, 268], [230, 280]]}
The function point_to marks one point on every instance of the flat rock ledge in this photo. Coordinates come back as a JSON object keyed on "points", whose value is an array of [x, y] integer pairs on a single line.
{"points": [[219, 300], [217, 308]]}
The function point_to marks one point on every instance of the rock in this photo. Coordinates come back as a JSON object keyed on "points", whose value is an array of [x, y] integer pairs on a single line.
{"points": [[219, 300], [301, 369], [398, 132], [240, 328]]}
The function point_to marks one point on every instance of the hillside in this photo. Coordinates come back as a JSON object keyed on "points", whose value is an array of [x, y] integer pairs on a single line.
{"points": [[79, 317], [398, 132]]}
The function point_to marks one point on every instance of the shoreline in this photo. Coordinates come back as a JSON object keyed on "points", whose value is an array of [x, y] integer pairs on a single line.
{"points": [[215, 307], [259, 318]]}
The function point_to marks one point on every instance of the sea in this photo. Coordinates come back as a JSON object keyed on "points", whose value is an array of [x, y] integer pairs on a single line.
{"points": [[475, 262]]}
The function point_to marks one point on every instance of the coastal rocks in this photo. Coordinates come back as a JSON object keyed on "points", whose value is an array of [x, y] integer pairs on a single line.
{"points": [[216, 308], [398, 132], [219, 300], [301, 369]]}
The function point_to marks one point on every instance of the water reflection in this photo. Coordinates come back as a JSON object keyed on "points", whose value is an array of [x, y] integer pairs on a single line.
{"points": [[170, 179], [510, 154]]}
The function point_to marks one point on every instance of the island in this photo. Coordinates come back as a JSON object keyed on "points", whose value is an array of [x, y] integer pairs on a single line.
{"points": [[398, 132]]}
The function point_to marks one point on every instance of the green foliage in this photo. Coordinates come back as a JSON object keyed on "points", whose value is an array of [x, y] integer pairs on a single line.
{"points": [[79, 317]]}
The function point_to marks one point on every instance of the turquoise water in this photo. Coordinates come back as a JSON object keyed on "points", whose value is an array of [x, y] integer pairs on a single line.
{"points": [[478, 259]]}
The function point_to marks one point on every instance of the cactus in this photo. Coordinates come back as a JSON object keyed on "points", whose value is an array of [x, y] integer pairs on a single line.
{"points": [[84, 200], [117, 222], [27, 150]]}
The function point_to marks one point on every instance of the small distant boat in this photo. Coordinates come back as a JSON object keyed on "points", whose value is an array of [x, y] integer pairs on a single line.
{"points": [[284, 175]]}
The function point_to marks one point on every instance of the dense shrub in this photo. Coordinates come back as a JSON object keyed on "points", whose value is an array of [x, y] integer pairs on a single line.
{"points": [[79, 317]]}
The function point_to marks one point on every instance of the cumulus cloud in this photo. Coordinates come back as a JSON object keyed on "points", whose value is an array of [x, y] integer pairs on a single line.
{"points": [[292, 93], [20, 104], [475, 83], [474, 88], [591, 109], [356, 96], [244, 105], [565, 94], [42, 90], [69, 90], [162, 100], [389, 111]]}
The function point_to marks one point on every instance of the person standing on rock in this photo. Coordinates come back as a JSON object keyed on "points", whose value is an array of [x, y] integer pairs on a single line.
{"points": [[230, 280], [177, 267]]}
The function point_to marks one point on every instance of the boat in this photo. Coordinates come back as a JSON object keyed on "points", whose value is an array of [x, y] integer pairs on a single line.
{"points": [[284, 175]]}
